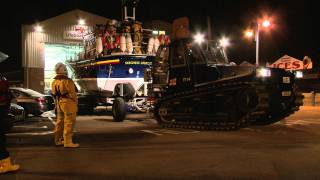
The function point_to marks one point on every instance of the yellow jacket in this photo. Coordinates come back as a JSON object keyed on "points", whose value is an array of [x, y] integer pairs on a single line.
{"points": [[64, 92]]}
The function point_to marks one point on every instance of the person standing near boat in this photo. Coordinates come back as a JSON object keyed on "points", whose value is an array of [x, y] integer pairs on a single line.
{"points": [[64, 92]]}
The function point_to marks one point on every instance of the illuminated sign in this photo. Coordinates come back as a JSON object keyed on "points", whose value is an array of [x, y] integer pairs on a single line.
{"points": [[78, 32], [290, 63]]}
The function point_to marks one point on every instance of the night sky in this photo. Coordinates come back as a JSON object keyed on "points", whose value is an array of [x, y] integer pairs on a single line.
{"points": [[295, 29]]}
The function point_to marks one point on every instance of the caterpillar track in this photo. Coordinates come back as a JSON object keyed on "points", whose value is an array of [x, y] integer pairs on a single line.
{"points": [[181, 110]]}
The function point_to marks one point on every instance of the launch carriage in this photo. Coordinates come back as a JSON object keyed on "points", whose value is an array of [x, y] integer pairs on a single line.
{"points": [[111, 69]]}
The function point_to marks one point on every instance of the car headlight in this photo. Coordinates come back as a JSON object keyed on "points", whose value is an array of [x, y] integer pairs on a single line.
{"points": [[299, 74], [263, 72], [130, 71]]}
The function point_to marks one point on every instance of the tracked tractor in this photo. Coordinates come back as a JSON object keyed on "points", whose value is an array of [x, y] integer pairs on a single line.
{"points": [[194, 86]]}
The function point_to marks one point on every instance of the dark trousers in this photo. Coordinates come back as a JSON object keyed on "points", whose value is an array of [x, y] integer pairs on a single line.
{"points": [[3, 150]]}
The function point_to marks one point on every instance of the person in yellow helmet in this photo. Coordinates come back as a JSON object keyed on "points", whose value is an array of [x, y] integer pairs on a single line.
{"points": [[64, 92]]}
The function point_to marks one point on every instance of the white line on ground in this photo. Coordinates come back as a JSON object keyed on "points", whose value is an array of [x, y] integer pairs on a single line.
{"points": [[31, 133], [170, 132], [52, 121], [160, 132], [151, 132], [179, 131], [32, 127], [302, 122]]}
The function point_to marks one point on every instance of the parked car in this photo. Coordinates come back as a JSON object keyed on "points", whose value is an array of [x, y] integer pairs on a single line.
{"points": [[33, 102], [16, 113]]}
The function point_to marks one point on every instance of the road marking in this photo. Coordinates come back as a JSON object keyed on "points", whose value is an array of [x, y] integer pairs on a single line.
{"points": [[160, 132], [151, 132], [32, 127], [179, 131], [31, 133], [170, 132], [52, 121], [251, 129], [302, 122]]}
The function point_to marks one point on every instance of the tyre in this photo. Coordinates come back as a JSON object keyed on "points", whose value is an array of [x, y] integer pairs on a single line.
{"points": [[119, 110]]}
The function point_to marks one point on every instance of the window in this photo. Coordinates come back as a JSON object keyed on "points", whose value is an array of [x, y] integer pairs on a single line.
{"points": [[19, 94], [196, 55], [178, 54]]}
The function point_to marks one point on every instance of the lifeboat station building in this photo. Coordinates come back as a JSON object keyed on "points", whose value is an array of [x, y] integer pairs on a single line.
{"points": [[54, 40]]}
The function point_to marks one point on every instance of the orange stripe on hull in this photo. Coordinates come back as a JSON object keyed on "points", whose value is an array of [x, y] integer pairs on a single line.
{"points": [[115, 61]]}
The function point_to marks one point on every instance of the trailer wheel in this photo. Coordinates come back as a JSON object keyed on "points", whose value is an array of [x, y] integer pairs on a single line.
{"points": [[119, 109]]}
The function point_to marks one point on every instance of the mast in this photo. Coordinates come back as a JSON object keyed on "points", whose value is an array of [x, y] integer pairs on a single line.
{"points": [[209, 28], [131, 6]]}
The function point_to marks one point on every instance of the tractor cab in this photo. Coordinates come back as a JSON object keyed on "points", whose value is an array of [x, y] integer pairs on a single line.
{"points": [[189, 63]]}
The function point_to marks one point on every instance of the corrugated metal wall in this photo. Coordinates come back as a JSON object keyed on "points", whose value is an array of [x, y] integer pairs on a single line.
{"points": [[53, 29], [34, 44]]}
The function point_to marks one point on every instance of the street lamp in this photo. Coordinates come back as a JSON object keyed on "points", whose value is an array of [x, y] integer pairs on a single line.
{"points": [[265, 23], [249, 34]]}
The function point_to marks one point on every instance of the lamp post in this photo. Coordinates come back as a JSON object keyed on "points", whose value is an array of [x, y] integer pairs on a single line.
{"points": [[257, 44], [265, 23]]}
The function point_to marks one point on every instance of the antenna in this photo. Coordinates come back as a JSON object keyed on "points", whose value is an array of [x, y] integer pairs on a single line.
{"points": [[209, 28], [128, 4]]}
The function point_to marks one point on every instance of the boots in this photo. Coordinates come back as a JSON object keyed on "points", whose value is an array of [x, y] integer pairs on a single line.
{"points": [[58, 139], [7, 166], [59, 142], [67, 133], [69, 144]]}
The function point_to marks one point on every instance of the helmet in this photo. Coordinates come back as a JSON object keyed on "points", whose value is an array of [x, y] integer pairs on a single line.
{"points": [[60, 68]]}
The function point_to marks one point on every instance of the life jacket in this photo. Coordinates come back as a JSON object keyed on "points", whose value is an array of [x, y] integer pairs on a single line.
{"points": [[57, 93]]}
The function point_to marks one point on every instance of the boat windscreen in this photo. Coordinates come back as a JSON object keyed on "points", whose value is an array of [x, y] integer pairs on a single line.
{"points": [[212, 55]]}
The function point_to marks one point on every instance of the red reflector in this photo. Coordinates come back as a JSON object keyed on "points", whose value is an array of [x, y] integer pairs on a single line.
{"points": [[151, 99], [41, 100]]}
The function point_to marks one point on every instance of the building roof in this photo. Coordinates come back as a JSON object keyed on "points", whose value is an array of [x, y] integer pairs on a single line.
{"points": [[70, 16]]}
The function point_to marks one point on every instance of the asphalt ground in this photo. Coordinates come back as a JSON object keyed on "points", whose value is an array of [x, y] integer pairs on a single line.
{"points": [[139, 149]]}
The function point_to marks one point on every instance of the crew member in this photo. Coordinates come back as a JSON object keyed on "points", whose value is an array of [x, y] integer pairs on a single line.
{"points": [[64, 92], [5, 98]]}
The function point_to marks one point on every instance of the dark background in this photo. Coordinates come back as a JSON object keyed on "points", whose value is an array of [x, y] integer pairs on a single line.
{"points": [[295, 30]]}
